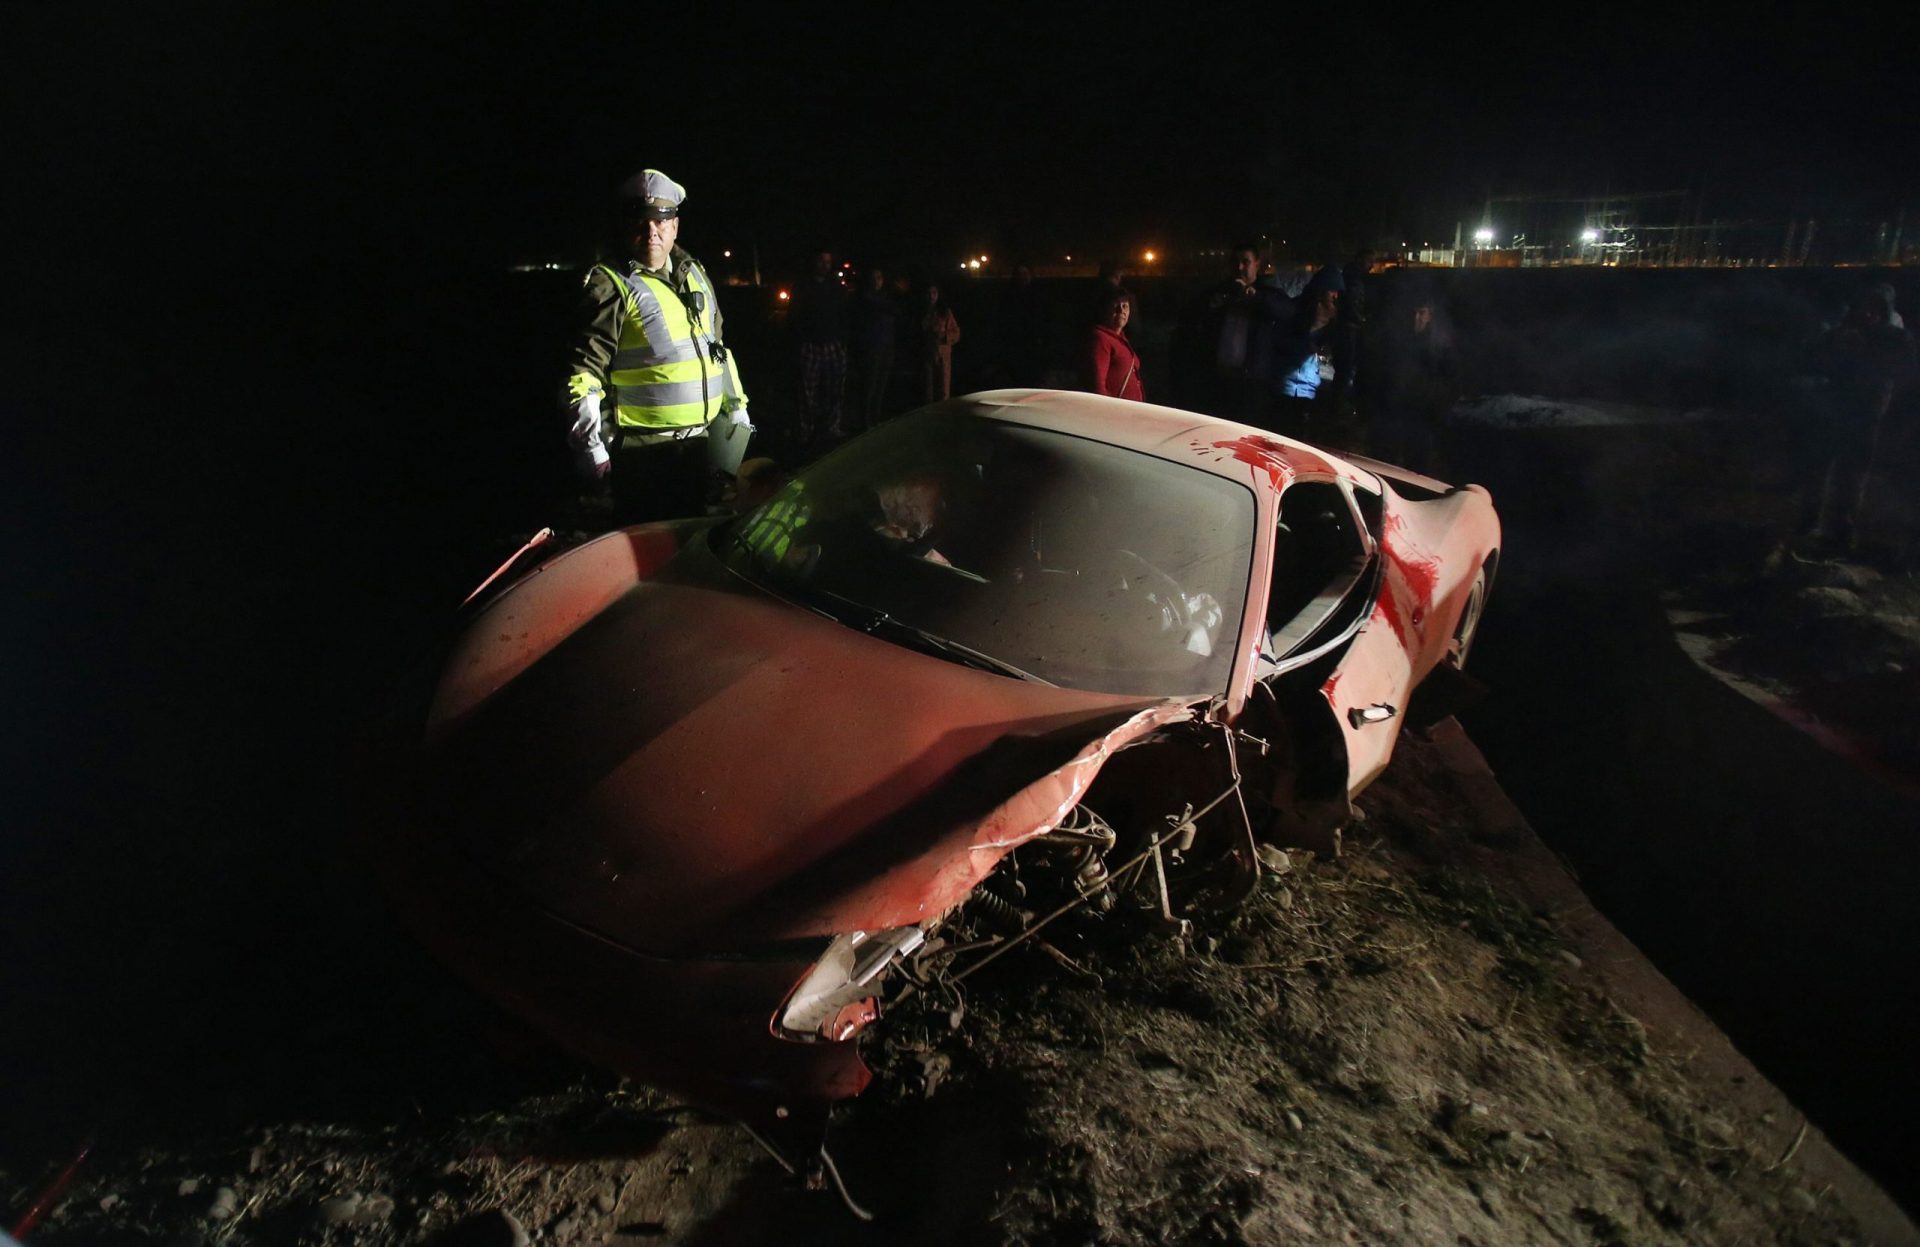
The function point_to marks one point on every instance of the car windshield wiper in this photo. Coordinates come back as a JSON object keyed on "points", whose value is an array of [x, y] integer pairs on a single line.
{"points": [[876, 622]]}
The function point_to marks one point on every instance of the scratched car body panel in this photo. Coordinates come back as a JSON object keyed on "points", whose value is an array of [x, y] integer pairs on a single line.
{"points": [[701, 798]]}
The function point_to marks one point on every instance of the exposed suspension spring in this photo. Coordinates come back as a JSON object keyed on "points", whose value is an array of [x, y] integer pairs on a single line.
{"points": [[1090, 877], [999, 912]]}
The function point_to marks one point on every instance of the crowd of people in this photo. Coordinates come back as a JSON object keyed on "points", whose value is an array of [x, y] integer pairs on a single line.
{"points": [[1304, 362], [654, 393], [851, 332]]}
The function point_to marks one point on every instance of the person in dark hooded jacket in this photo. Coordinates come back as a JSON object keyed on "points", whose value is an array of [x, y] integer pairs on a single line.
{"points": [[1867, 358], [1413, 375], [1300, 363], [1349, 333]]}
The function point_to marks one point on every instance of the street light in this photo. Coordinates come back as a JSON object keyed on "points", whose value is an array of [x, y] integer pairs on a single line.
{"points": [[1483, 235], [1589, 236], [1148, 256]]}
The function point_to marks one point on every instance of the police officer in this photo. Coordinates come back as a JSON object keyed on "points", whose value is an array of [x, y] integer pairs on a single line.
{"points": [[653, 394]]}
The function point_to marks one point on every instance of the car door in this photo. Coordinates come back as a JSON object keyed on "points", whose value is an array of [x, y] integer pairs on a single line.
{"points": [[1368, 690]]}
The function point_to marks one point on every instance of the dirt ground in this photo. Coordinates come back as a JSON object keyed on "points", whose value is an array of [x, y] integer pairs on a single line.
{"points": [[1829, 638], [1387, 1046], [1833, 643]]}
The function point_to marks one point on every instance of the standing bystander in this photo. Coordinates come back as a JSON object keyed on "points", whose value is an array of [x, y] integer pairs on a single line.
{"points": [[1867, 359], [1349, 335], [939, 331], [1301, 363], [818, 319], [1413, 377], [1113, 366], [876, 322], [1225, 340]]}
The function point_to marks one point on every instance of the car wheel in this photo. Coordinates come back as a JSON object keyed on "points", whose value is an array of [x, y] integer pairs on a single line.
{"points": [[1469, 620]]}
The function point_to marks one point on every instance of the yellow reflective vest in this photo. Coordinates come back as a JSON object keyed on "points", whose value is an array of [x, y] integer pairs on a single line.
{"points": [[769, 532], [669, 370]]}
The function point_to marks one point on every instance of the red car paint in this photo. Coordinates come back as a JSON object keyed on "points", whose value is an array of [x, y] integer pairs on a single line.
{"points": [[1263, 454], [650, 791]]}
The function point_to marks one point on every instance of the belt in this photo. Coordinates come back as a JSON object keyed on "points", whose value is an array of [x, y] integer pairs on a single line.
{"points": [[630, 436]]}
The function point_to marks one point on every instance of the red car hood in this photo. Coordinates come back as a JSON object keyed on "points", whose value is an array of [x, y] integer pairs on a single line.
{"points": [[696, 766]]}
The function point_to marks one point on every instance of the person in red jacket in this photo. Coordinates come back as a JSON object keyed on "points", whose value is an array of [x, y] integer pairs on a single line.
{"points": [[1113, 365]]}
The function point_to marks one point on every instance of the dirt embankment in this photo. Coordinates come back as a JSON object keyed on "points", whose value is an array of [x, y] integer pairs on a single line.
{"points": [[1833, 643], [1387, 1047]]}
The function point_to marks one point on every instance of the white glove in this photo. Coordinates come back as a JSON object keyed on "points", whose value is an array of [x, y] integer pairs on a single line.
{"points": [[584, 436], [590, 457]]}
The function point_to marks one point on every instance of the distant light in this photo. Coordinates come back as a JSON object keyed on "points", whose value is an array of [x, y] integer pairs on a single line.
{"points": [[983, 259], [1589, 235], [1069, 259], [1483, 235], [784, 296], [847, 264], [973, 264], [727, 254], [1148, 256]]}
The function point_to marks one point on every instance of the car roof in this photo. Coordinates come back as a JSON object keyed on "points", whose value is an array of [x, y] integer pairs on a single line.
{"points": [[1241, 452]]}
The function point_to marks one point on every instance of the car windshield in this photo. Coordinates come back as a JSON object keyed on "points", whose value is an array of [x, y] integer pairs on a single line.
{"points": [[1037, 553]]}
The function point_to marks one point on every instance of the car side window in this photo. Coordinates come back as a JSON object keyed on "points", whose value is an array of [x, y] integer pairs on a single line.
{"points": [[1318, 554]]}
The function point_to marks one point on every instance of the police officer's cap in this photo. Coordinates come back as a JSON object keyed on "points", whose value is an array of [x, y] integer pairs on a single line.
{"points": [[653, 194]]}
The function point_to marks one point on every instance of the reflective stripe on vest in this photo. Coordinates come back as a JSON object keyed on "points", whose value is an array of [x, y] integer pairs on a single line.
{"points": [[770, 534], [663, 375]]}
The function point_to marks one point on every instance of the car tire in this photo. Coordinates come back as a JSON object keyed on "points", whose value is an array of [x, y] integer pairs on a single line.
{"points": [[1463, 631]]}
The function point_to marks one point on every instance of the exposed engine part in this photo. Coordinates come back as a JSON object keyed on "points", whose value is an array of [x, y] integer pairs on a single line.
{"points": [[1087, 838], [1083, 826], [1139, 859], [1160, 874], [998, 911], [1184, 830], [1069, 964], [1090, 879]]}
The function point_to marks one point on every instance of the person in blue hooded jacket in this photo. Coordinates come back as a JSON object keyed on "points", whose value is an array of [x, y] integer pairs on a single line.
{"points": [[1301, 361]]}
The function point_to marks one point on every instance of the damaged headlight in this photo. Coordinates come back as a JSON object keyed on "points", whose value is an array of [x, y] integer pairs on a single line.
{"points": [[836, 998]]}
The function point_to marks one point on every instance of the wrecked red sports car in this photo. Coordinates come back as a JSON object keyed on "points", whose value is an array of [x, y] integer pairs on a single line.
{"points": [[703, 799]]}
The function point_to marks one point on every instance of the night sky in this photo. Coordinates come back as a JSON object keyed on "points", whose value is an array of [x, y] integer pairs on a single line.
{"points": [[462, 137], [213, 199]]}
